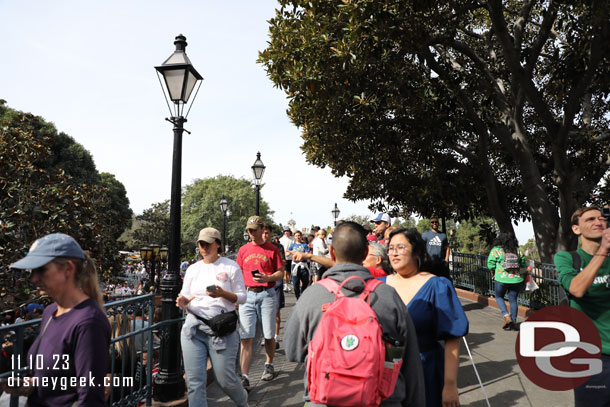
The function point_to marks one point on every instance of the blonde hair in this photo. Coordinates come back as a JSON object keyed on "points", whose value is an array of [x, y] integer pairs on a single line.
{"points": [[85, 277], [386, 234], [121, 326]]}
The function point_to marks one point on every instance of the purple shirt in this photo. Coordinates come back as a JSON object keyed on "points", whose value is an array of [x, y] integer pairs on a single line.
{"points": [[73, 349]]}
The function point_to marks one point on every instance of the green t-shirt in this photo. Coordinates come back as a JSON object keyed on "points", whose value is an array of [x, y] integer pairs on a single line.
{"points": [[596, 302], [495, 262]]}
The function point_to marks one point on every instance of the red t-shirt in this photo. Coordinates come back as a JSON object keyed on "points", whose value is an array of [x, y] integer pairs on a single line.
{"points": [[264, 258]]}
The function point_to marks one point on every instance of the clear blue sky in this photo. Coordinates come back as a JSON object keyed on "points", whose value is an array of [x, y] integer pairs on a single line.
{"points": [[88, 68]]}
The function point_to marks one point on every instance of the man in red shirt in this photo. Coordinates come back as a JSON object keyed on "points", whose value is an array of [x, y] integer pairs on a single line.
{"points": [[262, 266]]}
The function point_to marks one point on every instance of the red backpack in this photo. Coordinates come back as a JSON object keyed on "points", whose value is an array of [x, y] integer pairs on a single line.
{"points": [[346, 363]]}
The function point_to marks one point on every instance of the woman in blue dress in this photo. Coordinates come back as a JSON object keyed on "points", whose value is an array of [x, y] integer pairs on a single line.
{"points": [[436, 313]]}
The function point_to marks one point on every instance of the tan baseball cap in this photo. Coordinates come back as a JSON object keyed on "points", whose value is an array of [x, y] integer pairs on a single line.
{"points": [[209, 235], [254, 222]]}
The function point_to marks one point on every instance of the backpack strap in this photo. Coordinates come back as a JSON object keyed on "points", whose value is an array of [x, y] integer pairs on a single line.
{"points": [[334, 288], [576, 262], [330, 284]]}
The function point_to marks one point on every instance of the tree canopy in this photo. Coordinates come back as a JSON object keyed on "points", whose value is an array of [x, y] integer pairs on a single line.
{"points": [[40, 196], [200, 209], [459, 108]]}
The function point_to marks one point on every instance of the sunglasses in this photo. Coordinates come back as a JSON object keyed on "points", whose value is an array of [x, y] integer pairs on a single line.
{"points": [[434, 221]]}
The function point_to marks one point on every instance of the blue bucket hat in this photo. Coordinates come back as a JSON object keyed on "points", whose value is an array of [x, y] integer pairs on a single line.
{"points": [[47, 248]]}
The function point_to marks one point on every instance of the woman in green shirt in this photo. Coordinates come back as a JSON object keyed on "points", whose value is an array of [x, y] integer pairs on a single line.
{"points": [[505, 263]]}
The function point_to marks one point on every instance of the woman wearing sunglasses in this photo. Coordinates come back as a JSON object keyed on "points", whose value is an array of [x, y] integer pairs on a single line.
{"points": [[72, 347], [436, 313]]}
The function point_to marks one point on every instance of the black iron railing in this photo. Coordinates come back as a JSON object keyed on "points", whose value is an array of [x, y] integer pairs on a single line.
{"points": [[470, 272], [133, 349]]}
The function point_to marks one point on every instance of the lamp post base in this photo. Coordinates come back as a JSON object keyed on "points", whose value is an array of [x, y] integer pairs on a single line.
{"points": [[168, 387]]}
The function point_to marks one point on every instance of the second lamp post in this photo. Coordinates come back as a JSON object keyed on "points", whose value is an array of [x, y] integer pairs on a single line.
{"points": [[335, 213], [258, 168]]}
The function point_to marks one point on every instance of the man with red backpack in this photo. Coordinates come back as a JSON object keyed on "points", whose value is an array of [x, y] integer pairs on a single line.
{"points": [[366, 358]]}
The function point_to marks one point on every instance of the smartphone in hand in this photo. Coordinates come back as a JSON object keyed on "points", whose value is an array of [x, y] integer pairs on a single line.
{"points": [[255, 273], [211, 287]]}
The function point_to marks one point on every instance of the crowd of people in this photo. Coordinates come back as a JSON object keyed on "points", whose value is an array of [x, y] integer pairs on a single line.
{"points": [[400, 275]]}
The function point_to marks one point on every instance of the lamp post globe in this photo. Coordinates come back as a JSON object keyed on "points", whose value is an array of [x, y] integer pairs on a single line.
{"points": [[180, 79], [258, 169]]}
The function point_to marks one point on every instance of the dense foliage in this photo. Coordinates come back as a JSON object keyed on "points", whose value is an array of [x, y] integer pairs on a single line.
{"points": [[200, 209], [48, 183], [459, 108]]}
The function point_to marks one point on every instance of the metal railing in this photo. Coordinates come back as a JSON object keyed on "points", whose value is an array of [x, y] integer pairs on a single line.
{"points": [[470, 272], [133, 349]]}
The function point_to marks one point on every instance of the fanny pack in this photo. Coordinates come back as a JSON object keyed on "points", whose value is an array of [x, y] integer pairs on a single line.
{"points": [[222, 324]]}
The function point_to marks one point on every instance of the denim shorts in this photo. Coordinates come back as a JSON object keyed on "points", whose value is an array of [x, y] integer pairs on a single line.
{"points": [[261, 307]]}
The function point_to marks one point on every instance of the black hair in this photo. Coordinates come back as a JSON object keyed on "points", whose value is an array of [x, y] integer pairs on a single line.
{"points": [[220, 248], [418, 247], [349, 242]]}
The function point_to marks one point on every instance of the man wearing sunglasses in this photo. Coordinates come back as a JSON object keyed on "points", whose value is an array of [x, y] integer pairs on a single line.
{"points": [[437, 247]]}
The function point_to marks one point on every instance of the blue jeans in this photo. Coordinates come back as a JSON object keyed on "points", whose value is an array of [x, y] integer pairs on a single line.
{"points": [[596, 391], [300, 280], [259, 307], [513, 292], [195, 352]]}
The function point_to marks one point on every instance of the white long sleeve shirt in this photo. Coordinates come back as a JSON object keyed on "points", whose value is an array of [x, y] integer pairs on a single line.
{"points": [[224, 273]]}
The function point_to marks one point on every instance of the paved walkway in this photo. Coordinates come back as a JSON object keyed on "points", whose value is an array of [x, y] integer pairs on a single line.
{"points": [[492, 348]]}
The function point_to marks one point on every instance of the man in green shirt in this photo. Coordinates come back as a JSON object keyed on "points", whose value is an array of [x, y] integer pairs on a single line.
{"points": [[589, 290]]}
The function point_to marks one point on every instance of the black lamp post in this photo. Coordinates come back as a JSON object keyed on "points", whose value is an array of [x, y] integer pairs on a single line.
{"points": [[224, 205], [152, 255], [335, 213], [258, 168], [180, 78]]}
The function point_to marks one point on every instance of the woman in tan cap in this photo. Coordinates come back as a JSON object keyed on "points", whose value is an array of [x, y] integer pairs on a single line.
{"points": [[209, 293]]}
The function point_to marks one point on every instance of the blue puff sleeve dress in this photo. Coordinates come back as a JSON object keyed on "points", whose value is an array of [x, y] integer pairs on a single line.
{"points": [[437, 315]]}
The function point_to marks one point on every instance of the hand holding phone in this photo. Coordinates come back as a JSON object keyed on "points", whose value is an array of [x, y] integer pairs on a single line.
{"points": [[211, 287]]}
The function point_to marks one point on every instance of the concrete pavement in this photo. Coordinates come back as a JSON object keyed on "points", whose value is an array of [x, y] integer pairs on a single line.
{"points": [[493, 351]]}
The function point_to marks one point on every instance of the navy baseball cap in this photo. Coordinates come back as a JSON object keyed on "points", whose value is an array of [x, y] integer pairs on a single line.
{"points": [[47, 248]]}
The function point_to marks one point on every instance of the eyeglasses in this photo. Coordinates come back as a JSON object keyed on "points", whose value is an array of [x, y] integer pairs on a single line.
{"points": [[434, 221], [399, 248]]}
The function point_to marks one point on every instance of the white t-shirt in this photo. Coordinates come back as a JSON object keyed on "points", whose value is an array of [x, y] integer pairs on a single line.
{"points": [[286, 242], [224, 273], [320, 248]]}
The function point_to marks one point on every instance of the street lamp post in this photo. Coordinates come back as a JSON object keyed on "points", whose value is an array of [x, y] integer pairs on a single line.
{"points": [[258, 168], [224, 205], [153, 254], [335, 213], [180, 78]]}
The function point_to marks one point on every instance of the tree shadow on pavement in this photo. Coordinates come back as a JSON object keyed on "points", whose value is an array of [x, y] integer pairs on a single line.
{"points": [[490, 372], [475, 340], [473, 306], [504, 399]]}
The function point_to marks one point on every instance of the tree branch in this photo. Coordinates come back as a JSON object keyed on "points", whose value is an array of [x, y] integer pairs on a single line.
{"points": [[520, 76], [543, 35], [597, 45], [520, 23]]}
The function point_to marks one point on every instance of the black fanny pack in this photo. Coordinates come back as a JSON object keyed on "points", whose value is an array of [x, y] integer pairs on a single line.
{"points": [[222, 324]]}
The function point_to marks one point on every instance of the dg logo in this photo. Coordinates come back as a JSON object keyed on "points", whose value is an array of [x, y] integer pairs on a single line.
{"points": [[559, 348]]}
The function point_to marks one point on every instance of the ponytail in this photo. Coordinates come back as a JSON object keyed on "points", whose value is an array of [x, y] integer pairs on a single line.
{"points": [[85, 277]]}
